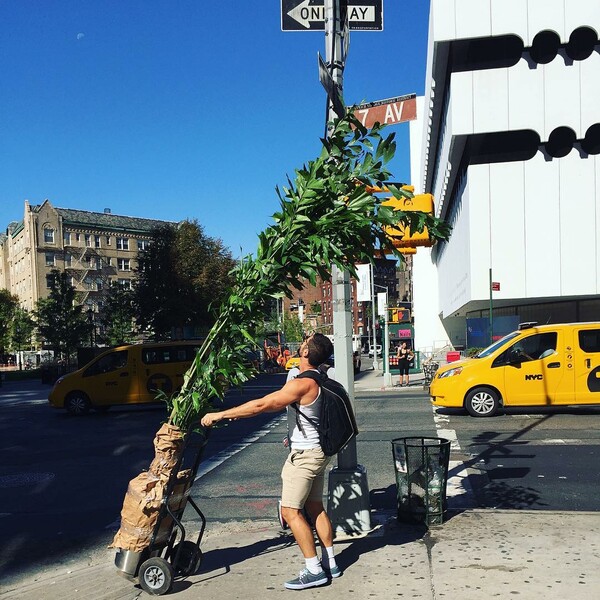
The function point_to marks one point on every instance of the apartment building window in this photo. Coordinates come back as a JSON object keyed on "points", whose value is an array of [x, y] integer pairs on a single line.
{"points": [[48, 235], [77, 237], [122, 243], [50, 262], [143, 244], [99, 284], [49, 281], [108, 240], [97, 241], [123, 264], [125, 283], [88, 240], [68, 261], [67, 238]]}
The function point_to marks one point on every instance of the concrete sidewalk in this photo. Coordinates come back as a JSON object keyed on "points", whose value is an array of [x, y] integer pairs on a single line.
{"points": [[475, 555]]}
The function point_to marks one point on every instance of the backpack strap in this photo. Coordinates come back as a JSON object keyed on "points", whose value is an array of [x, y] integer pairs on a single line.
{"points": [[319, 377]]}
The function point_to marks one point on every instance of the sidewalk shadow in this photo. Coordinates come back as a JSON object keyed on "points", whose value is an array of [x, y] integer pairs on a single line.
{"points": [[223, 558], [395, 534]]}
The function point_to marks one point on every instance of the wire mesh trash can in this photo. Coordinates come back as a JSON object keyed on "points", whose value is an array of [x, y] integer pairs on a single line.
{"points": [[421, 465]]}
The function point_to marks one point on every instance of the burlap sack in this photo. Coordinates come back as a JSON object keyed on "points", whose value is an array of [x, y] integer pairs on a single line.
{"points": [[145, 492]]}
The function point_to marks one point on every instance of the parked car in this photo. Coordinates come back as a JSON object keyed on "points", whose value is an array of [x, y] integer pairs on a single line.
{"points": [[549, 365], [379, 350]]}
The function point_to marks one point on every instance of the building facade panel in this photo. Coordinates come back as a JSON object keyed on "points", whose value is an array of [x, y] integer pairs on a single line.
{"points": [[578, 233], [562, 97], [545, 15], [542, 244], [511, 153], [473, 18], [509, 16], [507, 231]]}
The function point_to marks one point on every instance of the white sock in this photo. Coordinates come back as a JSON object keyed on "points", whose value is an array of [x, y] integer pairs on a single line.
{"points": [[328, 558], [313, 565]]}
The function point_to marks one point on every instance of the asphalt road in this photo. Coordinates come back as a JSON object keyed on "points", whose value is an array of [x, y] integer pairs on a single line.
{"points": [[63, 478]]}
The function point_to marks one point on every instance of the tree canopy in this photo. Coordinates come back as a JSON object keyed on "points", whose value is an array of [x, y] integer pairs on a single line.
{"points": [[180, 274], [8, 306], [59, 320]]}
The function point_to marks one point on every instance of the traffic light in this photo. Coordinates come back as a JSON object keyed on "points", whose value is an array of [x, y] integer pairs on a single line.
{"points": [[399, 315], [403, 238]]}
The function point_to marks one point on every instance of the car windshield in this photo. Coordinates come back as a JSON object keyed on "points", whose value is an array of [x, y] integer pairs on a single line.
{"points": [[490, 349]]}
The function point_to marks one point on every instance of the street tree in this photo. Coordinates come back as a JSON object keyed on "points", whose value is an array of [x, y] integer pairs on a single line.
{"points": [[118, 315], [8, 305], [60, 321], [180, 275], [21, 331]]}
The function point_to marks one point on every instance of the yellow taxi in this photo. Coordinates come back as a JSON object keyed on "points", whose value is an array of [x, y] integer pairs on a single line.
{"points": [[292, 363], [547, 365], [131, 374]]}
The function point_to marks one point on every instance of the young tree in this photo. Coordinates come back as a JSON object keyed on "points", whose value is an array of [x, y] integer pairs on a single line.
{"points": [[59, 320], [21, 330], [8, 306], [179, 275], [118, 315]]}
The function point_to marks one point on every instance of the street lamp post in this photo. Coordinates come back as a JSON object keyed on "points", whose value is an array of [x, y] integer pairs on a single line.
{"points": [[387, 376]]}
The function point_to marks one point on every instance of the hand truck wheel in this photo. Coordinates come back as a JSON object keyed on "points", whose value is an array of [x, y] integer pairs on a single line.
{"points": [[156, 576], [190, 558]]}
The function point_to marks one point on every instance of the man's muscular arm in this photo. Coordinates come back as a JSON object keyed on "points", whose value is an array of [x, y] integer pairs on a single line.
{"points": [[293, 391]]}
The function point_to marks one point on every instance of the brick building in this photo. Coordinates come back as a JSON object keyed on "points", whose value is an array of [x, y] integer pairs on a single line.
{"points": [[94, 249], [314, 304]]}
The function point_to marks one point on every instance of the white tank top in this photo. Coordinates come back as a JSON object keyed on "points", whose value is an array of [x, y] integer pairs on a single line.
{"points": [[307, 437]]}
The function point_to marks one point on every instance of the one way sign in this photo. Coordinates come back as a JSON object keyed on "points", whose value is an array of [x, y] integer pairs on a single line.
{"points": [[309, 15]]}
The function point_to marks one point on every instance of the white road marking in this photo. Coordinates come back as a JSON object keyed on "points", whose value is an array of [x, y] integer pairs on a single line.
{"points": [[221, 457]]}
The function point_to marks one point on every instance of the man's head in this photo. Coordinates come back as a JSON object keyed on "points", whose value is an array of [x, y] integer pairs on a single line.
{"points": [[316, 349]]}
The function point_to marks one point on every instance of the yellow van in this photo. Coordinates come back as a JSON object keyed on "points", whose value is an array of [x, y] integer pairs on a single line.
{"points": [[124, 375], [547, 365]]}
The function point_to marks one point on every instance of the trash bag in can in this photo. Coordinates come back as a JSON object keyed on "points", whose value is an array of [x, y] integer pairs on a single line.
{"points": [[421, 465]]}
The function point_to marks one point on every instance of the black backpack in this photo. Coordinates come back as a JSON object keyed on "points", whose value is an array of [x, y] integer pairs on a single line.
{"points": [[337, 424]]}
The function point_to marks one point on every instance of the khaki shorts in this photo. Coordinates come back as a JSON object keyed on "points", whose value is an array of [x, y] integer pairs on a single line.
{"points": [[303, 477]]}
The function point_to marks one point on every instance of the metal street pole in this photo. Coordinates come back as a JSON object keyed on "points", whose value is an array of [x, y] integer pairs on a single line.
{"points": [[374, 314], [491, 310], [348, 503]]}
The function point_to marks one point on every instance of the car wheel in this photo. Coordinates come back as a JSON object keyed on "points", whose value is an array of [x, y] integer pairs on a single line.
{"points": [[156, 576], [482, 402], [77, 403]]}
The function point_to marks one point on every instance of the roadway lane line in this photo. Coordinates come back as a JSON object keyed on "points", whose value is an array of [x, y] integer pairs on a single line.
{"points": [[218, 459], [458, 488]]}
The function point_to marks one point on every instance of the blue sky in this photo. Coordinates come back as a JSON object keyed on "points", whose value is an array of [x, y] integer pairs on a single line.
{"points": [[175, 109]]}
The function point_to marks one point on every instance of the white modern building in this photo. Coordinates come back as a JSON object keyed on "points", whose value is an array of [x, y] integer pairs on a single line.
{"points": [[508, 141]]}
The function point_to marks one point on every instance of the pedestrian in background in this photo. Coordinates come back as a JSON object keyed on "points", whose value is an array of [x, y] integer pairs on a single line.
{"points": [[404, 355], [303, 472]]}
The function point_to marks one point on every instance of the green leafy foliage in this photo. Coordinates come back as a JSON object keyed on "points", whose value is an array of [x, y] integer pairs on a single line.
{"points": [[327, 216], [8, 306], [117, 315], [181, 273], [59, 320]]}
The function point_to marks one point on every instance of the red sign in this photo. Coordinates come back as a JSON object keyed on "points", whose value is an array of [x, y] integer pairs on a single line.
{"points": [[495, 286], [387, 112]]}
